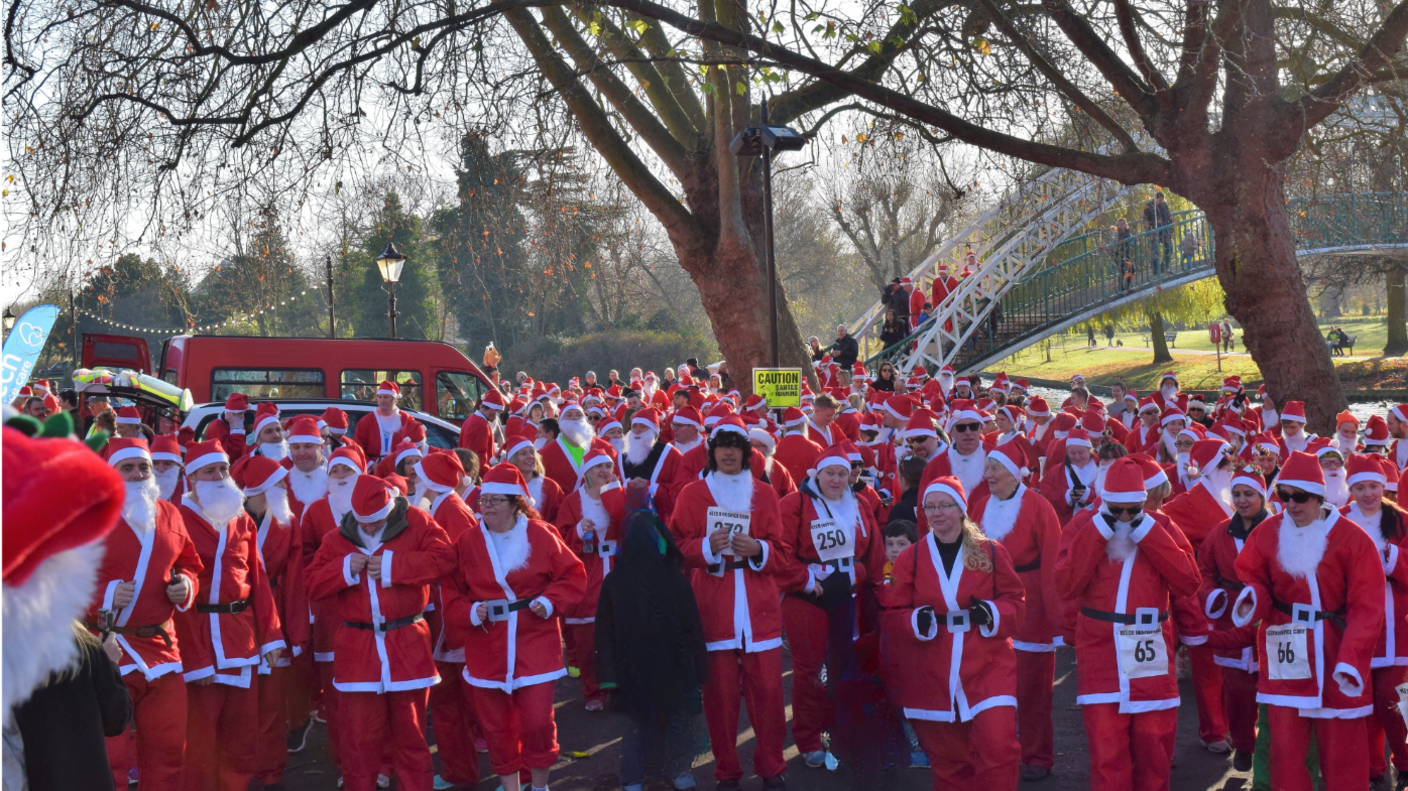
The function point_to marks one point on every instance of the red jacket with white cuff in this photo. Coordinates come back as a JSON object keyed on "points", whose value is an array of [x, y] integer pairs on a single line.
{"points": [[608, 515], [1217, 563], [1122, 595], [1392, 648], [454, 517], [955, 669], [739, 608], [799, 512], [280, 549], [514, 648], [414, 553], [150, 560], [1032, 538], [1346, 583], [227, 645]]}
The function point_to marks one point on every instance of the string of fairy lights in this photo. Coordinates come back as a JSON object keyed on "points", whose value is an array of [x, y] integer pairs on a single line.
{"points": [[268, 310]]}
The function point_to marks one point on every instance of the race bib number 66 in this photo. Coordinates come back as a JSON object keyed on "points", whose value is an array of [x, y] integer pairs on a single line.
{"points": [[1287, 655], [733, 521]]}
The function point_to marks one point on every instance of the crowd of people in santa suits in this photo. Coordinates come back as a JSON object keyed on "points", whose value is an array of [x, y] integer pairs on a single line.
{"points": [[923, 553]]}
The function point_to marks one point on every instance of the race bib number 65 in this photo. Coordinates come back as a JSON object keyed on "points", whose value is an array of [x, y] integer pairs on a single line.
{"points": [[733, 521], [1287, 655], [1142, 651]]}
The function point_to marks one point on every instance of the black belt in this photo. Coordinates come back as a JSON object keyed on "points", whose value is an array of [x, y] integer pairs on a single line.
{"points": [[385, 626], [840, 564], [731, 565], [1025, 567], [138, 631], [233, 608], [1337, 616], [1233, 584], [1116, 617], [499, 609]]}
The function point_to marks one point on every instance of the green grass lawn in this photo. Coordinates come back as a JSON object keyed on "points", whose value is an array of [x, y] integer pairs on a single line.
{"points": [[1371, 333]]}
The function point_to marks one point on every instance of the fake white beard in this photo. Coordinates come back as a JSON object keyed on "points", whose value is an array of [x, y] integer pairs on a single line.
{"points": [[277, 498], [1297, 442], [638, 446], [1219, 484], [967, 469], [685, 448], [539, 443], [844, 511], [1121, 545], [619, 443], [167, 481], [340, 495], [578, 432], [732, 492], [1269, 417], [1000, 516], [220, 500], [1169, 392], [1170, 443], [1336, 488], [512, 548], [139, 507], [278, 451], [648, 392], [308, 487], [767, 463], [1346, 442], [1299, 549]]}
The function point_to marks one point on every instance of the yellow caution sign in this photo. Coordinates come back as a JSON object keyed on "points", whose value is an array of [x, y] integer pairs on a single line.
{"points": [[780, 387]]}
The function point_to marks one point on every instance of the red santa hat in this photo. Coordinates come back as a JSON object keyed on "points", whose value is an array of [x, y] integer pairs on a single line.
{"points": [[759, 435], [1231, 384], [1037, 407], [1093, 422], [1021, 385], [1251, 477], [949, 485], [648, 417], [793, 417], [719, 412], [258, 474], [905, 281], [1233, 425], [516, 444], [754, 401], [165, 447], [26, 392], [335, 419], [921, 424], [834, 456], [1147, 403], [1293, 410], [1153, 472], [120, 449], [689, 416], [947, 370], [901, 406], [42, 386], [1364, 467], [405, 449], [1170, 414], [1168, 375], [372, 499], [1303, 472], [1390, 472], [1376, 431], [266, 414], [441, 471], [606, 425], [592, 459], [204, 454], [731, 423], [504, 479], [858, 371], [1132, 395], [128, 416], [390, 388], [1267, 443], [1124, 483], [493, 399], [236, 402], [348, 456], [185, 437], [962, 380], [1195, 401], [1011, 456], [1078, 437], [303, 429], [1207, 454]]}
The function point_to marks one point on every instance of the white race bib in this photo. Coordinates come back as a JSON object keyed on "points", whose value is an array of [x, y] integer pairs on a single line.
{"points": [[735, 521], [1287, 655], [1142, 650], [831, 541]]}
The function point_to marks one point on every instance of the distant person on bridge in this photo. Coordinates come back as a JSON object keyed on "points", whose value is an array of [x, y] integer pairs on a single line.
{"points": [[944, 285], [1189, 248], [1158, 217], [898, 298], [916, 301], [845, 350], [893, 330]]}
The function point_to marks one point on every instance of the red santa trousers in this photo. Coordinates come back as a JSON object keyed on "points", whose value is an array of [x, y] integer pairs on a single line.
{"points": [[1207, 693], [759, 677], [519, 728], [809, 636], [1129, 752], [1239, 701], [1387, 723], [159, 747], [273, 724], [455, 726], [302, 697], [581, 654], [222, 734], [375, 722], [978, 755], [1344, 752], [1036, 678], [331, 713]]}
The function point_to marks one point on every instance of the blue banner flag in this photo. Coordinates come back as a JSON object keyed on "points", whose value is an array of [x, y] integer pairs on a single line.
{"points": [[22, 349]]}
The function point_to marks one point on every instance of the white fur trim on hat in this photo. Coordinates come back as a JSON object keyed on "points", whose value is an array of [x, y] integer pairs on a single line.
{"points": [[205, 461], [275, 477], [731, 427], [832, 461], [1312, 487], [128, 421], [943, 488], [1084, 443], [1124, 498], [1366, 476], [345, 462], [759, 435], [512, 451], [1255, 483], [384, 391], [429, 484], [1002, 458], [130, 452], [640, 421], [502, 488], [294, 439], [163, 456], [407, 452], [379, 515]]}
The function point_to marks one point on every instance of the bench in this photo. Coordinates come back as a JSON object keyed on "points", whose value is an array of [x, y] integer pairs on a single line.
{"points": [[1338, 348], [1171, 338]]}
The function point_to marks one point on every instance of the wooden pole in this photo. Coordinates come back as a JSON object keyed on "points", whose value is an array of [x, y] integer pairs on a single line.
{"points": [[332, 321]]}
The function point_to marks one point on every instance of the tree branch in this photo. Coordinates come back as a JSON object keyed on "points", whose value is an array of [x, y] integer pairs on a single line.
{"points": [[659, 48], [1378, 53], [1124, 15], [1124, 81]]}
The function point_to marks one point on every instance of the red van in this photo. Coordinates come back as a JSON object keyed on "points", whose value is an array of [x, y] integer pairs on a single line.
{"points": [[214, 366]]}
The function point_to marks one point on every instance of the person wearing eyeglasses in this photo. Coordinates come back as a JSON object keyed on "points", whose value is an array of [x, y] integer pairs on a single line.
{"points": [[1122, 566], [1315, 581], [952, 606], [512, 576]]}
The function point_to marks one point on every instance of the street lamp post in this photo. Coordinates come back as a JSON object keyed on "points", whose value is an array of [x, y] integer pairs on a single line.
{"points": [[9, 320], [763, 141], [390, 263]]}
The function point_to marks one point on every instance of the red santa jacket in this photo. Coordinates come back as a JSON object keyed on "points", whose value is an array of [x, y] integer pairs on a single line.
{"points": [[1196, 512], [797, 453], [514, 648], [854, 555], [1058, 487], [280, 549], [454, 517], [608, 519], [382, 641], [1124, 639], [562, 468], [374, 440], [1392, 647], [477, 435], [778, 476], [1316, 665], [220, 643], [952, 671], [1141, 439], [233, 441], [1217, 563], [547, 496], [943, 464], [665, 478], [150, 559], [1031, 535], [318, 523], [753, 624]]}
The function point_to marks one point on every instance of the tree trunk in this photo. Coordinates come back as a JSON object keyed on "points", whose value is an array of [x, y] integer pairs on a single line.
{"points": [[1156, 337], [1397, 344]]}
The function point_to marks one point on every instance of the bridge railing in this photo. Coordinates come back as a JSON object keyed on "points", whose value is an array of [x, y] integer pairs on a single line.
{"points": [[1349, 220]]}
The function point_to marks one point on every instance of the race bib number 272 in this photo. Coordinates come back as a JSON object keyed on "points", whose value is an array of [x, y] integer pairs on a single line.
{"points": [[733, 521]]}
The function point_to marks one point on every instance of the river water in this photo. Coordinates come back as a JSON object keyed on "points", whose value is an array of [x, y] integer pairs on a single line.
{"points": [[1361, 410]]}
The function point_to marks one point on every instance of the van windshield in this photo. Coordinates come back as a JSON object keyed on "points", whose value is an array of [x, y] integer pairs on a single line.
{"points": [[456, 394]]}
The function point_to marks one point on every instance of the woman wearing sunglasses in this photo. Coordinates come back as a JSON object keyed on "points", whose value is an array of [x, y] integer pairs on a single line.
{"points": [[953, 604], [1122, 566], [1315, 582], [513, 576]]}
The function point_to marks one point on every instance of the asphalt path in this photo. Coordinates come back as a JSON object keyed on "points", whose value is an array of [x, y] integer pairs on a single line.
{"points": [[598, 735]]}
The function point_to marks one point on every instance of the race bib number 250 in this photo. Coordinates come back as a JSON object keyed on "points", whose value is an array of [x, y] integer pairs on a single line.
{"points": [[831, 541]]}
